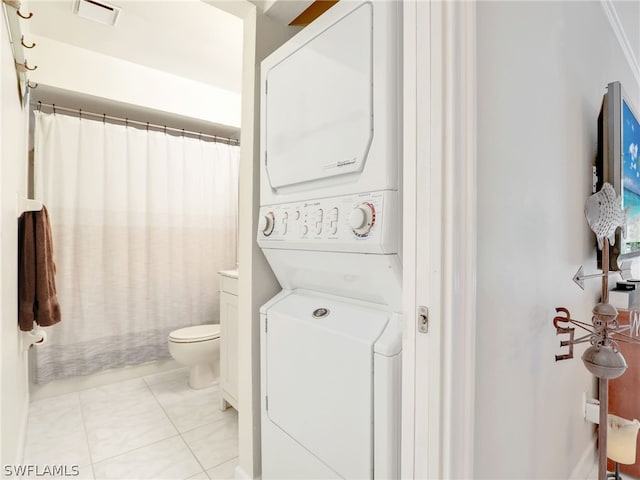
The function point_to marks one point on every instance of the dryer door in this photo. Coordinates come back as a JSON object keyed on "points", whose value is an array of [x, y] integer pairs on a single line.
{"points": [[319, 377]]}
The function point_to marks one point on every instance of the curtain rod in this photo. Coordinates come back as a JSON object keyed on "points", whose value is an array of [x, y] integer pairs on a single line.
{"points": [[103, 116]]}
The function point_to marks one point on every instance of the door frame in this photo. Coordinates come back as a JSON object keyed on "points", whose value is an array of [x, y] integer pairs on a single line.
{"points": [[439, 238]]}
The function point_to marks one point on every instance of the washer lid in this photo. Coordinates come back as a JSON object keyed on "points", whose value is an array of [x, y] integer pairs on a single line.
{"points": [[319, 378], [197, 333]]}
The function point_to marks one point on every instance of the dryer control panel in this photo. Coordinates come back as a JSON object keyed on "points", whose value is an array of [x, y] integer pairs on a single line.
{"points": [[360, 223]]}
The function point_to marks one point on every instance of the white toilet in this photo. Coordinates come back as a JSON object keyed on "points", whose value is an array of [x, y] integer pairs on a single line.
{"points": [[198, 347]]}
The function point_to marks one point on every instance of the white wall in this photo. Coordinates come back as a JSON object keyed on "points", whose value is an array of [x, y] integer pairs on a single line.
{"points": [[542, 70], [256, 280], [74, 69], [13, 179]]}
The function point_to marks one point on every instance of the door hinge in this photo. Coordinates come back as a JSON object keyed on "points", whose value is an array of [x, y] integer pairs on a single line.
{"points": [[423, 319]]}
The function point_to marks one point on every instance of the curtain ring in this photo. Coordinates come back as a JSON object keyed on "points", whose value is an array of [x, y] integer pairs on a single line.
{"points": [[183, 133], [54, 108], [126, 123], [147, 126], [200, 136], [104, 118], [80, 113], [165, 129], [39, 105]]}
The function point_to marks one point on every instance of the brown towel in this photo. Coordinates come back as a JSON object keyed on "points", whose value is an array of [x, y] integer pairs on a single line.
{"points": [[37, 300]]}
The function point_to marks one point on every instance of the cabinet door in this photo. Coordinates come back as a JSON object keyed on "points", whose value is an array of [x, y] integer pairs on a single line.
{"points": [[229, 344]]}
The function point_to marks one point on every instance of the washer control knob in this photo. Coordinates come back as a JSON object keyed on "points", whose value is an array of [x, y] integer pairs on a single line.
{"points": [[266, 224], [362, 218]]}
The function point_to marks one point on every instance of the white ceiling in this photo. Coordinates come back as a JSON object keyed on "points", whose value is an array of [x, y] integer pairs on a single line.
{"points": [[188, 38]]}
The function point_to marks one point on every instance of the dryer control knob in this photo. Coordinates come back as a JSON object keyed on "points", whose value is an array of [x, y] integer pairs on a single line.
{"points": [[266, 224], [362, 218]]}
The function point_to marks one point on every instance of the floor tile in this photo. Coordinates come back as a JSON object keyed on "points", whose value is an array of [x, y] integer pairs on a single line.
{"points": [[167, 459], [197, 411], [127, 430], [108, 393], [215, 443], [177, 390], [200, 476], [226, 471], [169, 375], [64, 472], [189, 408], [55, 433], [118, 421]]}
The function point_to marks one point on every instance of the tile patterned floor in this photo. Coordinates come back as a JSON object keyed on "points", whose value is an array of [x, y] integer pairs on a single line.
{"points": [[154, 427]]}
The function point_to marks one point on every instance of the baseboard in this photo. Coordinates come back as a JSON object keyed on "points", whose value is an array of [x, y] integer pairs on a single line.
{"points": [[240, 473], [22, 434], [587, 466]]}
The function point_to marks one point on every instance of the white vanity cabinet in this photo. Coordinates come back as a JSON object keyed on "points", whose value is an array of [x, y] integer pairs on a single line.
{"points": [[229, 338]]}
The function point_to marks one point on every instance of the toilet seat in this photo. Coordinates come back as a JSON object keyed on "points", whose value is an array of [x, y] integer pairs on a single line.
{"points": [[196, 333]]}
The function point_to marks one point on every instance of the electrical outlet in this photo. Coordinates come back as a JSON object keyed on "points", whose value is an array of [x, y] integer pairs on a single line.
{"points": [[590, 409]]}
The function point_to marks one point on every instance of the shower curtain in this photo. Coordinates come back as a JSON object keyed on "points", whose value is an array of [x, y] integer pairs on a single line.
{"points": [[142, 221]]}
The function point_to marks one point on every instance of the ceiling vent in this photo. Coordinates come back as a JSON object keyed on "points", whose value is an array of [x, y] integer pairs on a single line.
{"points": [[100, 12]]}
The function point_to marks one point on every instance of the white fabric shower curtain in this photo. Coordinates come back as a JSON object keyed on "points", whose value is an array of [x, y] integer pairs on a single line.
{"points": [[142, 221]]}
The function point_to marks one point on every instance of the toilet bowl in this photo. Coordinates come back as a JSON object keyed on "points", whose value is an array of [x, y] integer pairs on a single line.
{"points": [[197, 347]]}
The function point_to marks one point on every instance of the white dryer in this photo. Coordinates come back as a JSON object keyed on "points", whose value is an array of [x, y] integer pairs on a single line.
{"points": [[330, 107], [330, 153]]}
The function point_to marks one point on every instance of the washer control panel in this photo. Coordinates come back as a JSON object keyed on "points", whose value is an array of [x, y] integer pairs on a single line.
{"points": [[366, 223]]}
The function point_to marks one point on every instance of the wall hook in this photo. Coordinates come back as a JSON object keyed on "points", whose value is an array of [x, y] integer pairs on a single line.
{"points": [[24, 44], [23, 67], [16, 4], [26, 17], [32, 87]]}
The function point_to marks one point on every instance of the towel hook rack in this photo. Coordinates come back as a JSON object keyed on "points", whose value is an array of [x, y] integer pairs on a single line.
{"points": [[26, 205], [25, 45]]}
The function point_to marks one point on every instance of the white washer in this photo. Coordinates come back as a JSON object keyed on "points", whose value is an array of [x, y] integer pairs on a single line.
{"points": [[342, 419]]}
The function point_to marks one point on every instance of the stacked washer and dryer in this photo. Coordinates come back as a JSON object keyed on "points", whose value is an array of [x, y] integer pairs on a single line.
{"points": [[330, 228]]}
